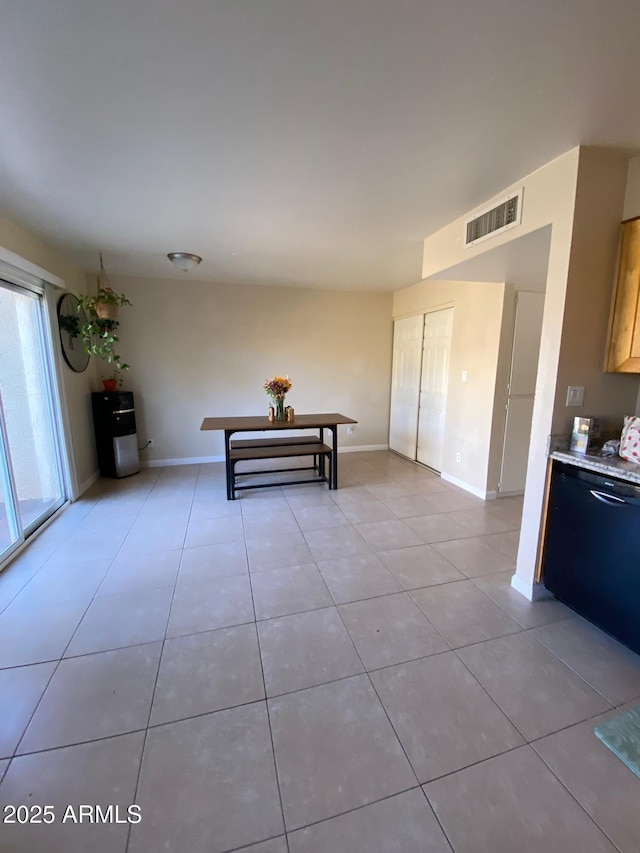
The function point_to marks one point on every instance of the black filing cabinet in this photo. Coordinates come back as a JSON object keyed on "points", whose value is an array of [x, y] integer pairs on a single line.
{"points": [[114, 421]]}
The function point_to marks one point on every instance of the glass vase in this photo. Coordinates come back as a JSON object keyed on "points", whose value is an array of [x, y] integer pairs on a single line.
{"points": [[280, 413]]}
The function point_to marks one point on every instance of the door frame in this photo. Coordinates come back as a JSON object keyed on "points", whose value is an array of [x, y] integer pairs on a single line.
{"points": [[509, 396], [19, 273]]}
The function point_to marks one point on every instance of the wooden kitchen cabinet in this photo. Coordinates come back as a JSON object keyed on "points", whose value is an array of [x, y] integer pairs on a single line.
{"points": [[623, 349]]}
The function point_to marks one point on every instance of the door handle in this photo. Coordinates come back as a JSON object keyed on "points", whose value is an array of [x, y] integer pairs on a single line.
{"points": [[607, 499]]}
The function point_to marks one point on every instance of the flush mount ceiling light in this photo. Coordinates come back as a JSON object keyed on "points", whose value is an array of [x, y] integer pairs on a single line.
{"points": [[184, 260]]}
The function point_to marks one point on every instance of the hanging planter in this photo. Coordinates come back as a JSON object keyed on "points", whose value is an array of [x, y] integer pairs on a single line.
{"points": [[106, 311], [106, 301], [100, 331]]}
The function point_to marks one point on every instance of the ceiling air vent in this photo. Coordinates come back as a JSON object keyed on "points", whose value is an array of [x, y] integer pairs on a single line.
{"points": [[506, 214]]}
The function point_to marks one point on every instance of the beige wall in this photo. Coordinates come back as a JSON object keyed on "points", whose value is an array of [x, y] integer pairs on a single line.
{"points": [[475, 345], [76, 386], [203, 349], [580, 195], [632, 192], [597, 215]]}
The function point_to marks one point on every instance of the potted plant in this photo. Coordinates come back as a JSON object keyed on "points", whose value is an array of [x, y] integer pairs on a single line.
{"points": [[107, 303], [104, 305], [99, 333], [114, 381]]}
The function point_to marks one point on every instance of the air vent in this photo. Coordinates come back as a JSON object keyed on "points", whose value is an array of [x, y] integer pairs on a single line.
{"points": [[506, 214]]}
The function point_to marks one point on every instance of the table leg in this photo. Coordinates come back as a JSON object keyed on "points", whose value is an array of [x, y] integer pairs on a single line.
{"points": [[227, 465], [333, 484], [321, 460]]}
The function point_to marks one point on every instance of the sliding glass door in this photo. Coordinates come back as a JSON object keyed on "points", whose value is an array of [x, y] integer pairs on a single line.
{"points": [[31, 482]]}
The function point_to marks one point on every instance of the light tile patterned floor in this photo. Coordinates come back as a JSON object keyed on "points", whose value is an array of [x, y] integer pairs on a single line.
{"points": [[304, 671]]}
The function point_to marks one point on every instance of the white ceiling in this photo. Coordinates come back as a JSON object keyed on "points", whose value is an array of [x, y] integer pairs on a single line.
{"points": [[294, 142]]}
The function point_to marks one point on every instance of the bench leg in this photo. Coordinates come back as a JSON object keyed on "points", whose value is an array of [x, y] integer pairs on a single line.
{"points": [[326, 459], [321, 460], [227, 462], [232, 483]]}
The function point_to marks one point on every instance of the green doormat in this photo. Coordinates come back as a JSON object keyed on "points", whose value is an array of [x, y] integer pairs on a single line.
{"points": [[622, 735]]}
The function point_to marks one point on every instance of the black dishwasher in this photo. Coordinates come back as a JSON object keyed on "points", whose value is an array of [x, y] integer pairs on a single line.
{"points": [[592, 551]]}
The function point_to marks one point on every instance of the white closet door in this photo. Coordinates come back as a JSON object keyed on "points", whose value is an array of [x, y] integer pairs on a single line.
{"points": [[433, 388], [521, 391], [405, 385]]}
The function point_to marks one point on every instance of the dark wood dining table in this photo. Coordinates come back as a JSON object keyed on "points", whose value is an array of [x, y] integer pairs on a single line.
{"points": [[250, 423]]}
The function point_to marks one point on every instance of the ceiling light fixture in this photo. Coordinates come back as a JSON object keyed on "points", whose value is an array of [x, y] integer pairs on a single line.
{"points": [[184, 260]]}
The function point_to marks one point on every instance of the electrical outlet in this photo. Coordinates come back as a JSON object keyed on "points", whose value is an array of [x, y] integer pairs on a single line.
{"points": [[458, 457], [349, 430], [575, 395], [150, 443]]}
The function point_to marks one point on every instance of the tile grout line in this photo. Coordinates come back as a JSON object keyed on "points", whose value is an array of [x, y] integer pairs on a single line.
{"points": [[61, 658], [266, 703], [575, 799], [393, 728], [569, 667], [155, 683], [373, 687]]}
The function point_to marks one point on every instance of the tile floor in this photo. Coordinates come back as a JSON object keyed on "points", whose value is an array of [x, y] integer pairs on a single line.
{"points": [[303, 671]]}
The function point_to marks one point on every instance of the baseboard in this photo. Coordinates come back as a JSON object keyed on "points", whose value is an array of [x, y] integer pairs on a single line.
{"points": [[82, 487], [523, 587], [185, 460], [203, 460], [532, 591], [363, 448], [479, 493]]}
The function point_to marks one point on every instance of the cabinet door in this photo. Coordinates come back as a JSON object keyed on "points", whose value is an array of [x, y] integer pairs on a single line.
{"points": [[623, 355]]}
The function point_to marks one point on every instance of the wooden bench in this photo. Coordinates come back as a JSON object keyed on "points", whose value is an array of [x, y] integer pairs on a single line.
{"points": [[237, 443], [274, 449], [281, 441]]}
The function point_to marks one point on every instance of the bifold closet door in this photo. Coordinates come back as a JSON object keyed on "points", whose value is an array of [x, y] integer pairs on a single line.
{"points": [[405, 385], [436, 351]]}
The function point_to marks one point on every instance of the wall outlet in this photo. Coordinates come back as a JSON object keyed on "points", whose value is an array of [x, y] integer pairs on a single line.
{"points": [[458, 457], [349, 430], [150, 443], [575, 395]]}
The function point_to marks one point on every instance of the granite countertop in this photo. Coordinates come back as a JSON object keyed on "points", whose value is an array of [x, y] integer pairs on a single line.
{"points": [[614, 466]]}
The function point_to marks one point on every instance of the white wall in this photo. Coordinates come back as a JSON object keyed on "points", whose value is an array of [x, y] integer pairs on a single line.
{"points": [[201, 349], [77, 386], [580, 195], [475, 346]]}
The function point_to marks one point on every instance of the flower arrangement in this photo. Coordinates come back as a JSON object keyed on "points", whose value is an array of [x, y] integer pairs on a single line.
{"points": [[278, 387]]}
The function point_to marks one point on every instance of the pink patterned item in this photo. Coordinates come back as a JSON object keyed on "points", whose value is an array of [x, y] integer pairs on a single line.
{"points": [[630, 439]]}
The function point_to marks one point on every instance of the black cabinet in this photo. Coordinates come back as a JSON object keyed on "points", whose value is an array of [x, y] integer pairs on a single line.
{"points": [[114, 421], [591, 558]]}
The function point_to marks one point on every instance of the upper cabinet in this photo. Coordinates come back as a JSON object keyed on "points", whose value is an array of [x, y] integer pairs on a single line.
{"points": [[623, 350]]}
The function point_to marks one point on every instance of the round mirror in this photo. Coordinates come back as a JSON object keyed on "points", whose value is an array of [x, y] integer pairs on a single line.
{"points": [[70, 322]]}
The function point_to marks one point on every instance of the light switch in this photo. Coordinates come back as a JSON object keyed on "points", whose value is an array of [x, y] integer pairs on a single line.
{"points": [[464, 375], [575, 395]]}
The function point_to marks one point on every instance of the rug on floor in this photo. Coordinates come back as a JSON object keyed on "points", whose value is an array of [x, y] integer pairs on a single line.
{"points": [[622, 735]]}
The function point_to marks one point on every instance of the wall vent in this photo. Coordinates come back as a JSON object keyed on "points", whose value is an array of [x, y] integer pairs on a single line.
{"points": [[504, 215]]}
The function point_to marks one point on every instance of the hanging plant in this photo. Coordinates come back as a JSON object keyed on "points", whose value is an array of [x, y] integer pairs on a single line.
{"points": [[99, 333]]}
